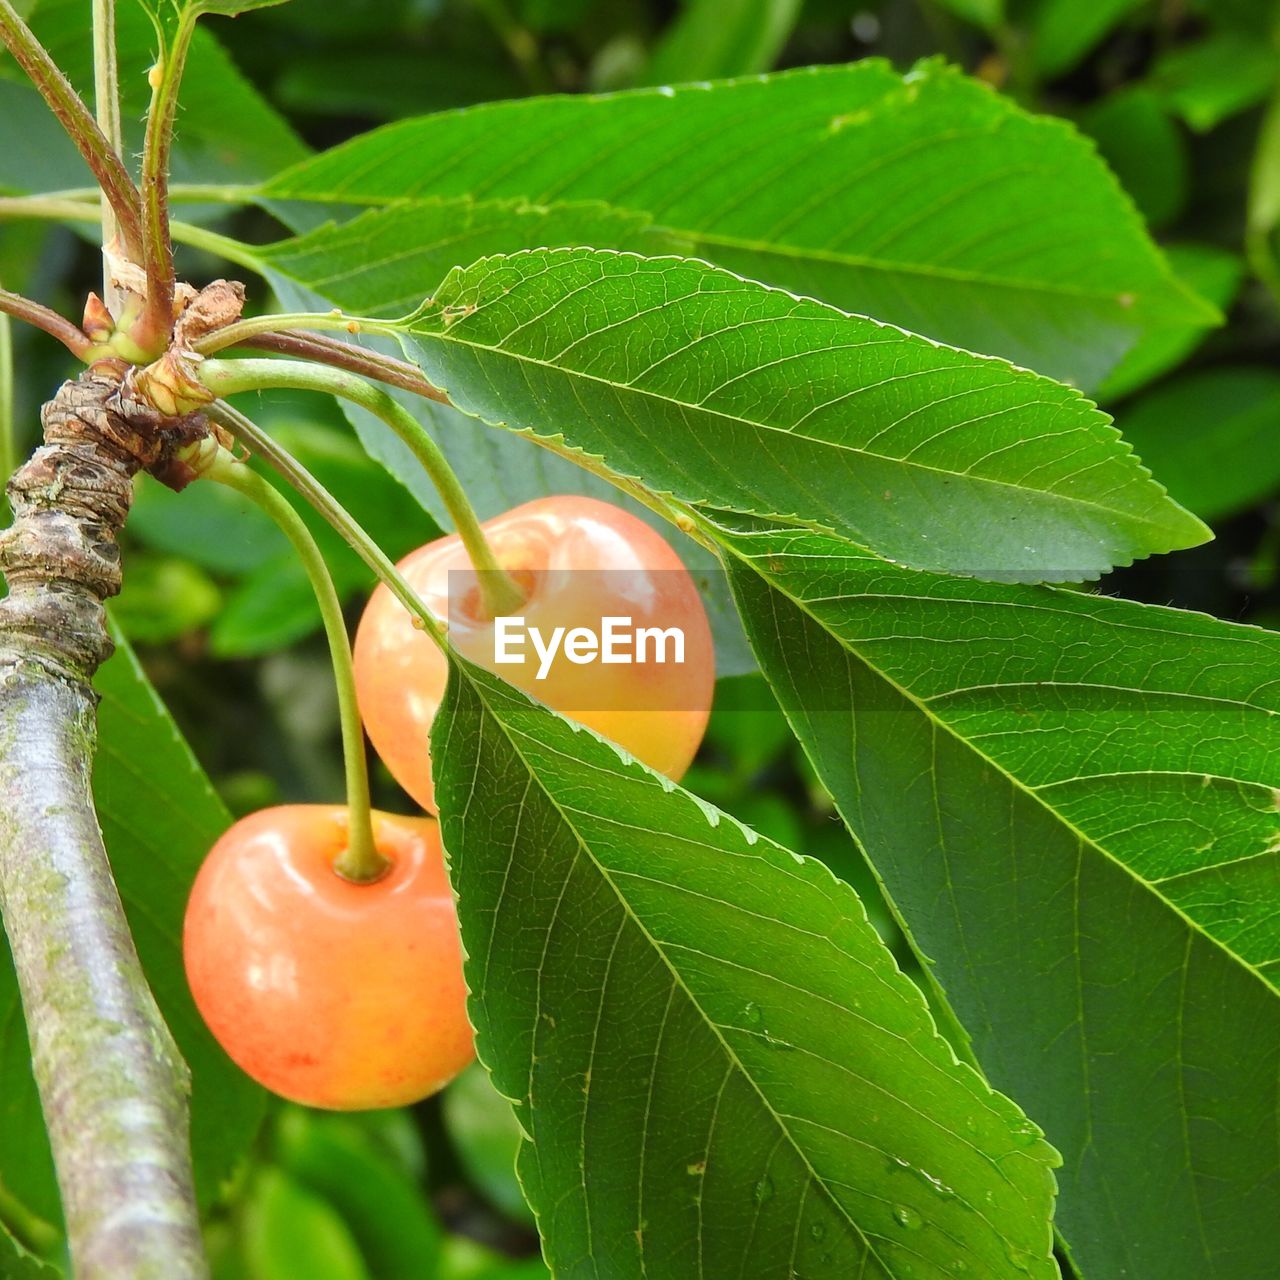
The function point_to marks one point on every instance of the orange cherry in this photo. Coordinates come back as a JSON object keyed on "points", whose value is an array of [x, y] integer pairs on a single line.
{"points": [[337, 995], [580, 562]]}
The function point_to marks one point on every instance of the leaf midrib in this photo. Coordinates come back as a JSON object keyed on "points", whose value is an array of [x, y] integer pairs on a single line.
{"points": [[1067, 501], [678, 982], [766, 248], [1084, 840]]}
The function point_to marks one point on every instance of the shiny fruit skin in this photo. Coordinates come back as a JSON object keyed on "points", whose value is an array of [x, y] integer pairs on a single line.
{"points": [[337, 995], [617, 565]]}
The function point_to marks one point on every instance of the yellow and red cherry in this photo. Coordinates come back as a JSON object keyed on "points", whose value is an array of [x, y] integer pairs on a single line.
{"points": [[330, 993], [578, 561]]}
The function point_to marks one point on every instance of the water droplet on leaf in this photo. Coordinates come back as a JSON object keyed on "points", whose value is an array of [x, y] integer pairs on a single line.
{"points": [[1019, 1257], [1026, 1133], [907, 1217], [764, 1189]]}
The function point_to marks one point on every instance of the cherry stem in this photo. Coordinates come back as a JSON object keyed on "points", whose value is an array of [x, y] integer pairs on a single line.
{"points": [[499, 592], [360, 861], [157, 244], [322, 349], [257, 441], [243, 330], [102, 159], [71, 337]]}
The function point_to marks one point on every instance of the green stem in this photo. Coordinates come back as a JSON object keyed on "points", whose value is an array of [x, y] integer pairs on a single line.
{"points": [[345, 525], [57, 207], [106, 98], [228, 377], [71, 208], [75, 118], [360, 861], [322, 349], [219, 245], [179, 192], [243, 330], [157, 245], [213, 192]]}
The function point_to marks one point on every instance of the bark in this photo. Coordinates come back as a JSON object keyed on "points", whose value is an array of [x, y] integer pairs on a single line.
{"points": [[112, 1084]]}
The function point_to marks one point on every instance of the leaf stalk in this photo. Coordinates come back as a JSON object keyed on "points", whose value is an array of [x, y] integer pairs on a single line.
{"points": [[230, 377], [71, 337], [360, 861], [340, 519]]}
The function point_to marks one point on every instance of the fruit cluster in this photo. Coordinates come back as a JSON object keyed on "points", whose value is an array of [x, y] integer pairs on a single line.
{"points": [[350, 995]]}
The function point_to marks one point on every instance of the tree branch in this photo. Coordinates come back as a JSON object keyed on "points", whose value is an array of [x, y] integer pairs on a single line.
{"points": [[112, 1084]]}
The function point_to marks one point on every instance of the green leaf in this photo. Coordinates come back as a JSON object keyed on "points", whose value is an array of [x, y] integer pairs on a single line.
{"points": [[1213, 437], [25, 1163], [274, 607], [36, 154], [487, 1138], [159, 817], [712, 388], [1063, 31], [164, 597], [16, 1263], [212, 526], [1255, 17], [1146, 148], [168, 15], [497, 470], [291, 1232], [465, 1259], [1213, 273], [1210, 80], [927, 200], [988, 14], [720, 1069], [386, 1212], [714, 38], [226, 8], [382, 507], [384, 262], [1071, 800]]}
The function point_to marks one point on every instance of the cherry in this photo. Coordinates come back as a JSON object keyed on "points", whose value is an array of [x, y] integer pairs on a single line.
{"points": [[577, 561], [338, 995]]}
